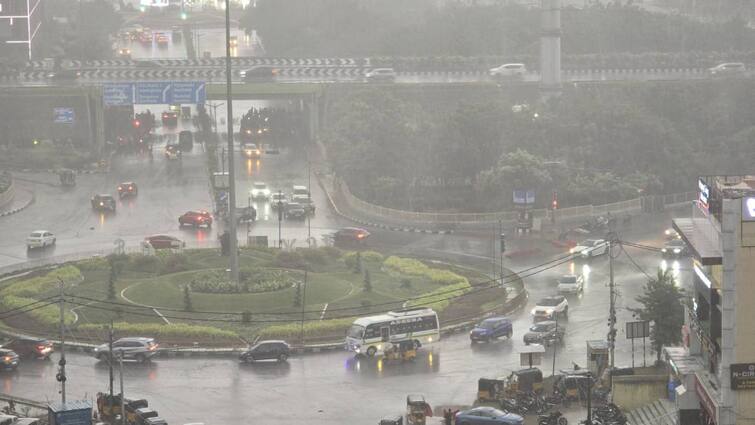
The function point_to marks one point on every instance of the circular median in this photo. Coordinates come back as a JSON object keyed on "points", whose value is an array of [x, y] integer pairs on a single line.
{"points": [[304, 296]]}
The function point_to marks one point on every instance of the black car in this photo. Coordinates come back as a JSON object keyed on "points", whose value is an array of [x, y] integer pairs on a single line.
{"points": [[127, 189], [259, 74], [170, 118], [267, 350], [36, 348], [295, 211], [350, 235], [8, 359], [103, 202], [674, 248]]}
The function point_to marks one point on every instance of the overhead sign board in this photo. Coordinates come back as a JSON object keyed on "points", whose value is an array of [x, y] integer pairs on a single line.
{"points": [[703, 195], [118, 94], [743, 376], [524, 197], [63, 115], [154, 93], [639, 329]]}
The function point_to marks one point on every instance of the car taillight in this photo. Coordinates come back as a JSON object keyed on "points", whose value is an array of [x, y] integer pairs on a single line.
{"points": [[153, 347], [360, 235], [131, 188], [7, 359]]}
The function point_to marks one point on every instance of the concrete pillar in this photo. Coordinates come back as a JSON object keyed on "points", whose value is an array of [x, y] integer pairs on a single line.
{"points": [[730, 220], [550, 46]]}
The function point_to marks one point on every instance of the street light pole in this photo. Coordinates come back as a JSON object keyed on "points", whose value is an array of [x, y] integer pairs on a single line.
{"points": [[280, 218], [234, 254]]}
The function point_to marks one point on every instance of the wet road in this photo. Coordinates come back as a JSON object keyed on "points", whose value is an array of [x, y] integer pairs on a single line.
{"points": [[336, 388]]}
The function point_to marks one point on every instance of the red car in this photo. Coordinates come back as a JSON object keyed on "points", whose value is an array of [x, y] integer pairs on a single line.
{"points": [[164, 242], [30, 347], [196, 219], [351, 235], [127, 189]]}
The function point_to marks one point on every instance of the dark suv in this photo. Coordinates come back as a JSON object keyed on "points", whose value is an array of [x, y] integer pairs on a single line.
{"points": [[267, 350], [31, 347], [491, 328], [103, 202], [8, 359], [127, 189]]}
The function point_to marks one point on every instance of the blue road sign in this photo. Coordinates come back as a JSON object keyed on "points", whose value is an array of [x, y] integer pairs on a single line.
{"points": [[118, 94], [157, 92], [63, 115], [188, 92]]}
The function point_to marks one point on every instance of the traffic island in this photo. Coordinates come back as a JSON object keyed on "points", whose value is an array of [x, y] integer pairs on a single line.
{"points": [[308, 297]]}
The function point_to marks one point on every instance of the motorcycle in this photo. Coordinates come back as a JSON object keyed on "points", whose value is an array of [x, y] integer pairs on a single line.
{"points": [[553, 418]]}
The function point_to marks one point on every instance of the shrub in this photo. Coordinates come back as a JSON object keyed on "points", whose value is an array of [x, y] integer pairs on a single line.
{"points": [[92, 264], [320, 327], [313, 256], [175, 330], [439, 299], [144, 263], [41, 284], [349, 258], [174, 263], [48, 315], [331, 252], [251, 280], [406, 282], [289, 260]]}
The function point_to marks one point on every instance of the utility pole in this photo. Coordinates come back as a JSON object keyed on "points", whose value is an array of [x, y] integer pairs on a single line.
{"points": [[611, 312], [309, 200], [110, 358], [123, 396], [280, 218], [62, 373], [303, 303], [555, 348], [502, 242], [234, 246]]}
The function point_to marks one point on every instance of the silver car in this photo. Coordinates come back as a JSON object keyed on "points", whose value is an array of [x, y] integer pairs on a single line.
{"points": [[135, 348]]}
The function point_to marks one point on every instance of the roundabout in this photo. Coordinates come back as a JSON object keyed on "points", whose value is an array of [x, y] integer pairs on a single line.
{"points": [[305, 296]]}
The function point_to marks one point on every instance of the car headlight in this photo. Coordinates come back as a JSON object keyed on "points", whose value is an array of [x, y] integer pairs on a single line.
{"points": [[549, 311], [534, 311], [664, 250], [586, 252], [677, 250], [571, 250]]}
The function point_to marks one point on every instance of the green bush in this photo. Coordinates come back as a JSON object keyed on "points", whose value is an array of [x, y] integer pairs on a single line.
{"points": [[438, 299], [144, 263], [252, 280], [173, 263], [48, 315], [176, 330], [331, 252], [321, 327], [289, 260], [405, 266], [350, 258], [313, 256], [92, 264], [41, 284]]}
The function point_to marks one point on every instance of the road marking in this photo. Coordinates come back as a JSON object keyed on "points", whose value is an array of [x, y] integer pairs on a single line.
{"points": [[322, 315]]}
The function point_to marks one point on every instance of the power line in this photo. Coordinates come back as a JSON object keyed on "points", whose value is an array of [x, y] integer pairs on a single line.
{"points": [[28, 310], [28, 305]]}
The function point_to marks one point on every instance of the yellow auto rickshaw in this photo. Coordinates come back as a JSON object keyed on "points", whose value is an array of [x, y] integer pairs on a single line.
{"points": [[525, 380], [490, 389], [417, 409], [404, 351]]}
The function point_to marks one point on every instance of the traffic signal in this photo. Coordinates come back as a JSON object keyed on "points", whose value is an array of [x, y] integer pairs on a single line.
{"points": [[136, 123], [554, 203], [503, 242]]}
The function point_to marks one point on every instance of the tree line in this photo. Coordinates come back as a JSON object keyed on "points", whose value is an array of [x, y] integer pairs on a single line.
{"points": [[594, 144]]}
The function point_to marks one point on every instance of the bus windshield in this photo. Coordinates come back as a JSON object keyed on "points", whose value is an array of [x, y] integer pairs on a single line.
{"points": [[355, 331]]}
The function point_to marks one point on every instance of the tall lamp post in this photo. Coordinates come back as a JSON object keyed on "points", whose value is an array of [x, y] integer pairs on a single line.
{"points": [[234, 254]]}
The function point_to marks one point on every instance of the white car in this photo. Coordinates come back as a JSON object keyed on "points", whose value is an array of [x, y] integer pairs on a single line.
{"points": [[260, 191], [40, 239], [550, 307], [727, 69], [381, 74], [590, 248], [570, 284], [508, 70], [671, 234]]}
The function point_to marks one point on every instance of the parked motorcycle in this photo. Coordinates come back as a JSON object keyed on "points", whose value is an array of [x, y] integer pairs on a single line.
{"points": [[553, 418]]}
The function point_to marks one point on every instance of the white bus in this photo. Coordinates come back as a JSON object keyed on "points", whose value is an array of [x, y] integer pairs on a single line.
{"points": [[372, 335]]}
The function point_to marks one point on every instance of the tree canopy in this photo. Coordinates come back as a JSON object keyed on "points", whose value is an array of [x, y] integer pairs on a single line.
{"points": [[661, 304]]}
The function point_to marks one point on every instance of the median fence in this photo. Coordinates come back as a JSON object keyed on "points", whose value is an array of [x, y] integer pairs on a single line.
{"points": [[378, 213]]}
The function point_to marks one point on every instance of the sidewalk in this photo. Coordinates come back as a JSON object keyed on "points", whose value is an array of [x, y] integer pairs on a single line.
{"points": [[23, 197]]}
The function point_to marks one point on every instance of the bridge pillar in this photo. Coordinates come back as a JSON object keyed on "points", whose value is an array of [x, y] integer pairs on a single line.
{"points": [[550, 47]]}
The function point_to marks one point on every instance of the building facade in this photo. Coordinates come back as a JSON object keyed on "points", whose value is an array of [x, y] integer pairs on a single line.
{"points": [[715, 367], [20, 21]]}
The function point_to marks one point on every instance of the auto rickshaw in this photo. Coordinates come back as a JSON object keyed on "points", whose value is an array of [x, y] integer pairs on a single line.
{"points": [[67, 177], [110, 406], [490, 389], [404, 351], [524, 380], [573, 386], [417, 409]]}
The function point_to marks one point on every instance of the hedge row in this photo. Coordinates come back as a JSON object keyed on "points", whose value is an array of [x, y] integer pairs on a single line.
{"points": [[176, 330], [49, 315], [313, 328], [41, 284], [416, 268], [350, 258]]}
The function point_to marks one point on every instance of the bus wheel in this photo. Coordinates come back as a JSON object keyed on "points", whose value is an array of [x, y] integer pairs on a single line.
{"points": [[371, 352]]}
